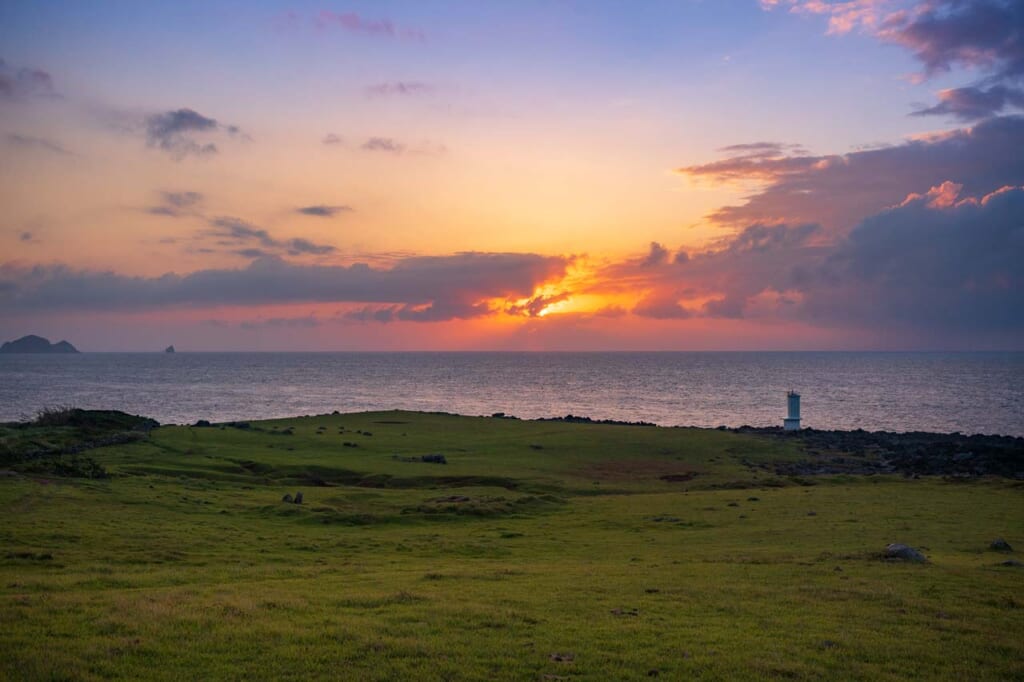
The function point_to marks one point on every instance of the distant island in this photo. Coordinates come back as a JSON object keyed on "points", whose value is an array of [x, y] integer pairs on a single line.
{"points": [[36, 344], [169, 349]]}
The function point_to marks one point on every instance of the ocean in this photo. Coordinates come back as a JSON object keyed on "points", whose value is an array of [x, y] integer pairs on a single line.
{"points": [[944, 392]]}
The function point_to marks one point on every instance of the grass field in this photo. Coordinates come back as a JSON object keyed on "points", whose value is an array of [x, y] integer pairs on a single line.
{"points": [[540, 550]]}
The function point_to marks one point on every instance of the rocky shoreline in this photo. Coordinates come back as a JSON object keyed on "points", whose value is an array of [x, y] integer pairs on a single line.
{"points": [[913, 453]]}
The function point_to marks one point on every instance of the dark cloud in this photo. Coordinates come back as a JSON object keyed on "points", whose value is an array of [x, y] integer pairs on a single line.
{"points": [[235, 233], [252, 253], [306, 322], [983, 34], [299, 245], [26, 237], [176, 204], [351, 22], [31, 143], [422, 288], [662, 307], [657, 255], [973, 103], [933, 263], [323, 210], [839, 190], [383, 144], [24, 82], [176, 132], [536, 305], [722, 280], [936, 265], [331, 139], [399, 88], [756, 150]]}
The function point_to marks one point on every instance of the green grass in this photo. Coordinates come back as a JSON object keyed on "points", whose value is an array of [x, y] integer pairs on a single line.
{"points": [[185, 564]]}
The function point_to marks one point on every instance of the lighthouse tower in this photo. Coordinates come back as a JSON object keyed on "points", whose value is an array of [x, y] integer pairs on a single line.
{"points": [[792, 422]]}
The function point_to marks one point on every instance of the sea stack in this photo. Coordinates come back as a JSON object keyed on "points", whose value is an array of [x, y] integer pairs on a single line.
{"points": [[36, 344], [169, 349]]}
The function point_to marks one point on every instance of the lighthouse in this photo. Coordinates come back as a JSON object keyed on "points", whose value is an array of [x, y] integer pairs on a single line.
{"points": [[792, 422]]}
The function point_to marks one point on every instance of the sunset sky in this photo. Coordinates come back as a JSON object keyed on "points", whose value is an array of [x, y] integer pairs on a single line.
{"points": [[586, 175]]}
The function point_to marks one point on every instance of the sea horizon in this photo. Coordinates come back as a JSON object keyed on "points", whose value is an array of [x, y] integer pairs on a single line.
{"points": [[937, 391]]}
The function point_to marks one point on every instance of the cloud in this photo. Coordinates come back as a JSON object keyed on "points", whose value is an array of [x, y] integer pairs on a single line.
{"points": [[983, 34], [938, 264], [536, 305], [973, 103], [323, 210], [944, 265], [761, 150], [306, 322], [843, 16], [389, 145], [236, 233], [657, 255], [24, 82], [176, 132], [350, 22], [36, 143], [839, 190], [419, 288], [399, 88], [662, 307], [383, 144], [175, 204]]}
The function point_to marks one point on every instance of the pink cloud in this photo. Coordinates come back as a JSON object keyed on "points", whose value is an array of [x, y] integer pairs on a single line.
{"points": [[354, 23]]}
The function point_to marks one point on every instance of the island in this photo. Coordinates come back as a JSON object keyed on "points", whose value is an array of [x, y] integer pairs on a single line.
{"points": [[169, 349], [36, 344]]}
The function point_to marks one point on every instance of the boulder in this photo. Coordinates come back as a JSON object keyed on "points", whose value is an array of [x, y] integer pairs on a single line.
{"points": [[1000, 545], [904, 553], [287, 497], [298, 497], [434, 459]]}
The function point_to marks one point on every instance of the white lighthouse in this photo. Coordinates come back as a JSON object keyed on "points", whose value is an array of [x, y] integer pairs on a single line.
{"points": [[792, 422]]}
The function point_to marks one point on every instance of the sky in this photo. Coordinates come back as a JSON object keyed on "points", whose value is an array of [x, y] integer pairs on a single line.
{"points": [[558, 175]]}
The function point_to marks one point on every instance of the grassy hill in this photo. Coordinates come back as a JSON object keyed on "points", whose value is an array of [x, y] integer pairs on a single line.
{"points": [[537, 550]]}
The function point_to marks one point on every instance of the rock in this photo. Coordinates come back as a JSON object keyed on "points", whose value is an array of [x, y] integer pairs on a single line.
{"points": [[434, 459], [298, 497], [563, 658], [1000, 545], [1011, 563], [169, 349], [287, 497], [904, 553]]}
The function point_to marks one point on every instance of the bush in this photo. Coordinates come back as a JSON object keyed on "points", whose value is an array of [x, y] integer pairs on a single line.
{"points": [[55, 415]]}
